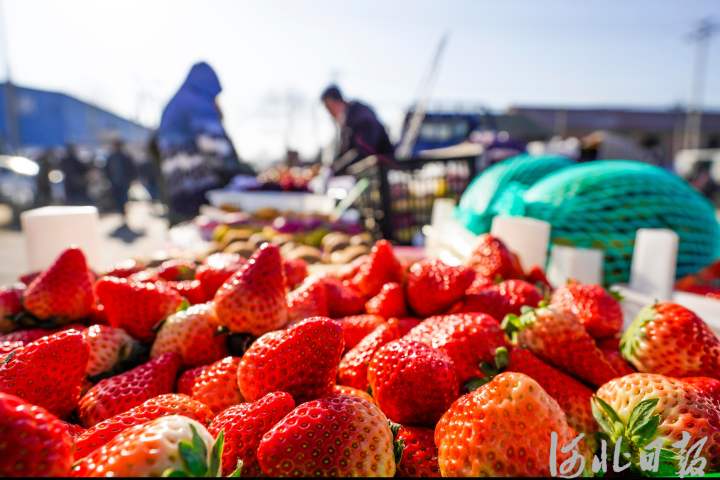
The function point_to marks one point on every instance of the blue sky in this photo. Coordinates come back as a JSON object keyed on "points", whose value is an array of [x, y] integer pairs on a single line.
{"points": [[130, 55]]}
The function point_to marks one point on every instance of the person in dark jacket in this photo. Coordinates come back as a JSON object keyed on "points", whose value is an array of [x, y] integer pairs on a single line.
{"points": [[74, 172], [121, 171], [361, 133]]}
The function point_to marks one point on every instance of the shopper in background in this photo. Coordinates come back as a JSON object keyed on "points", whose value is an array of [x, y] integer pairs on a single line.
{"points": [[74, 172], [360, 132], [121, 172], [44, 193]]}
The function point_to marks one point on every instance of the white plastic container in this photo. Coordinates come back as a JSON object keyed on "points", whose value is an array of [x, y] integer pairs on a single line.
{"points": [[528, 237], [569, 263]]}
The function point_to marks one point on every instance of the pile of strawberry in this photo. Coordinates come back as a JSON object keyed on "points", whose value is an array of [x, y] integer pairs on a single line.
{"points": [[381, 369]]}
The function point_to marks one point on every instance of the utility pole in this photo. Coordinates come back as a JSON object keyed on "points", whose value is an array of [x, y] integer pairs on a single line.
{"points": [[701, 36], [12, 131]]}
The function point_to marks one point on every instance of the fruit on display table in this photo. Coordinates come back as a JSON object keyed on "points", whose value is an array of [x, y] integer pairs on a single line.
{"points": [[384, 366]]}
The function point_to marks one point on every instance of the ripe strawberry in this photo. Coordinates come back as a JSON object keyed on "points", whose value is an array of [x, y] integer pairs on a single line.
{"points": [[642, 407], [296, 270], [176, 270], [399, 375], [63, 291], [669, 339], [352, 370], [148, 275], [122, 392], [136, 307], [173, 445], [330, 436], [253, 299], [597, 309], [343, 299], [468, 339], [389, 303], [419, 455], [348, 271], [10, 305], [215, 385], [707, 386], [498, 300], [492, 260], [19, 338], [244, 426], [192, 334], [28, 278], [192, 290], [502, 429], [109, 347], [536, 276], [559, 338], [160, 406], [47, 372], [433, 286], [357, 327], [615, 359], [216, 269], [308, 300], [301, 361], [380, 267], [34, 442], [74, 430], [125, 268], [353, 392]]}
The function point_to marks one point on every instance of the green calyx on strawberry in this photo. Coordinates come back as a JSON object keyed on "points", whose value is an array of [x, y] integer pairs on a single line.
{"points": [[512, 324], [633, 336], [398, 443], [194, 457], [500, 362]]}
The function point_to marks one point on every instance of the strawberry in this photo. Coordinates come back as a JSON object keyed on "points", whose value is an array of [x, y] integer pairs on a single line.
{"points": [[597, 309], [192, 334], [399, 375], [492, 260], [502, 429], [296, 270], [615, 359], [10, 305], [47, 372], [148, 275], [173, 445], [433, 286], [343, 299], [122, 392], [63, 291], [707, 386], [669, 339], [352, 370], [192, 290], [419, 455], [244, 426], [176, 270], [215, 385], [468, 339], [136, 307], [28, 278], [353, 392], [357, 327], [160, 406], [19, 338], [301, 361], [125, 268], [559, 338], [498, 300], [75, 431], [389, 302], [348, 271], [253, 299], [536, 276], [380, 267], [330, 436], [216, 269], [308, 300], [34, 442], [642, 407], [109, 348]]}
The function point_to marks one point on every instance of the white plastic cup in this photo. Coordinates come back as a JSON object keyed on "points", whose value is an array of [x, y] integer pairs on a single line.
{"points": [[569, 263], [527, 237], [50, 230], [654, 262]]}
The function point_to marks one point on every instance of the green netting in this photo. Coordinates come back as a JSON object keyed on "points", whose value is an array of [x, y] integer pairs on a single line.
{"points": [[496, 186], [602, 204]]}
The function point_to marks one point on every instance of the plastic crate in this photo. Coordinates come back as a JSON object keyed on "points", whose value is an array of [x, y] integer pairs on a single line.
{"points": [[401, 193]]}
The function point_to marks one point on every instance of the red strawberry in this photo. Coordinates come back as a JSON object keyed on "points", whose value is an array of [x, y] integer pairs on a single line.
{"points": [[389, 303], [253, 299], [25, 336], [348, 271], [308, 300], [192, 290], [28, 278], [149, 275], [669, 339], [122, 392], [379, 268], [296, 270], [352, 370], [615, 359], [597, 309], [10, 305], [34, 443], [63, 291], [136, 307], [420, 455], [353, 392], [301, 361], [492, 260], [216, 385], [160, 406], [707, 386], [536, 276], [399, 375], [244, 426], [505, 298], [216, 269], [109, 347], [176, 270], [343, 300], [74, 430], [192, 334], [124, 269], [47, 372], [468, 339], [357, 327], [341, 436], [433, 286]]}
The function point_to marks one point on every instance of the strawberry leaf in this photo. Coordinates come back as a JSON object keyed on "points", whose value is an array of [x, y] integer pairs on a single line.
{"points": [[238, 470], [398, 449], [475, 383], [641, 419], [194, 463], [216, 455], [170, 473], [606, 417], [616, 294], [501, 358]]}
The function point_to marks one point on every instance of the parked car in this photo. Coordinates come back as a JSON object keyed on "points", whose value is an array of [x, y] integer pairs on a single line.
{"points": [[18, 183]]}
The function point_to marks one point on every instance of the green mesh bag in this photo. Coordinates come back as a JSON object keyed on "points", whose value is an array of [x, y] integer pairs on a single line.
{"points": [[498, 184], [602, 204]]}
